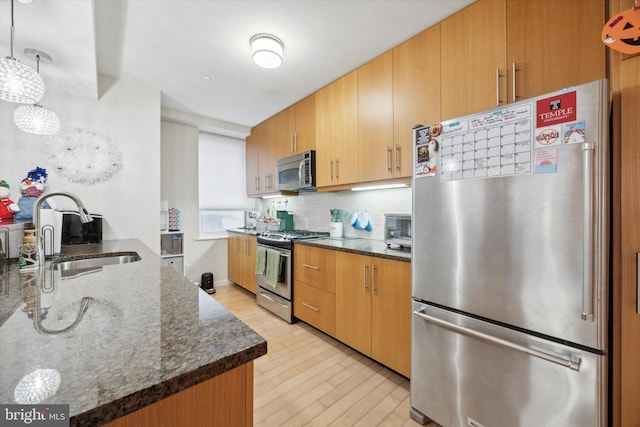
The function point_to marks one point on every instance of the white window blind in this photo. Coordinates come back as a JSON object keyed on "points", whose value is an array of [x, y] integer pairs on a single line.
{"points": [[221, 186]]}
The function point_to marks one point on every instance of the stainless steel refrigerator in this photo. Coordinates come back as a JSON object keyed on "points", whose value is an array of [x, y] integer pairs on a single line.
{"points": [[510, 264]]}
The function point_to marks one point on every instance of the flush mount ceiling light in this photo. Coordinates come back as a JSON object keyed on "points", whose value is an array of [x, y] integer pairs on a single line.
{"points": [[35, 118], [18, 82], [266, 50]]}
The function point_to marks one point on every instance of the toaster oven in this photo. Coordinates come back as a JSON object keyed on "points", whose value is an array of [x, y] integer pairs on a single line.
{"points": [[397, 230]]}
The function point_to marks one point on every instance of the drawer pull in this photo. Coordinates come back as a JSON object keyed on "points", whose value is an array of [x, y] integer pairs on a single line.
{"points": [[310, 266], [310, 306]]}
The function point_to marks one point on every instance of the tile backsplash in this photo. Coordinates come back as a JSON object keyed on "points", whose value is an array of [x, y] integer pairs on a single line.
{"points": [[312, 211]]}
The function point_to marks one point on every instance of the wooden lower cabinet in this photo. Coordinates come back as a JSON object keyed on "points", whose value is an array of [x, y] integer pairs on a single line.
{"points": [[373, 308], [363, 301], [315, 307], [314, 287], [241, 260], [224, 400], [315, 266]]}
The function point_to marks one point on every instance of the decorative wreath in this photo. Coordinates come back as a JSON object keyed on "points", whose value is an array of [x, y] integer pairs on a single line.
{"points": [[84, 156]]}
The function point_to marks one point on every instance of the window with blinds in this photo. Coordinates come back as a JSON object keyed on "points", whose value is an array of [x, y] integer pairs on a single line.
{"points": [[221, 186]]}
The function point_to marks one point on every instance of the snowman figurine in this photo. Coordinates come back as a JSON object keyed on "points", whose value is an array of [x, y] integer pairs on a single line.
{"points": [[8, 208]]}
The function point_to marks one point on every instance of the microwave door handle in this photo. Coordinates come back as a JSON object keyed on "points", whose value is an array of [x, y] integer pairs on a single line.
{"points": [[300, 175]]}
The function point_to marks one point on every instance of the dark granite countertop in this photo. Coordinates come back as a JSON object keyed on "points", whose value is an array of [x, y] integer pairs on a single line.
{"points": [[147, 334], [361, 246]]}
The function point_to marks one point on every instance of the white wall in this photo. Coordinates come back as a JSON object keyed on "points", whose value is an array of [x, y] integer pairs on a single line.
{"points": [[311, 211], [129, 112], [180, 189]]}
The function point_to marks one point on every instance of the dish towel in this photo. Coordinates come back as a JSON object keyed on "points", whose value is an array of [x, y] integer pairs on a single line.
{"points": [[273, 268], [261, 260]]}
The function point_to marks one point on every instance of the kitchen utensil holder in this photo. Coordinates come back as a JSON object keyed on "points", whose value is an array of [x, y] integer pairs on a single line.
{"points": [[335, 229]]}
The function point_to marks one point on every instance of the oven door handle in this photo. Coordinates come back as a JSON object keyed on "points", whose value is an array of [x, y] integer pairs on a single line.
{"points": [[270, 298], [283, 252]]}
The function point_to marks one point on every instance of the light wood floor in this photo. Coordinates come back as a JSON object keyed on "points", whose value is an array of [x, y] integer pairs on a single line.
{"points": [[309, 379]]}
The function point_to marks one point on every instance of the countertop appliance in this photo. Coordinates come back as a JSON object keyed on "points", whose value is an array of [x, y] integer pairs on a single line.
{"points": [[297, 172], [250, 219], [510, 274], [275, 250], [397, 230], [75, 231], [11, 235]]}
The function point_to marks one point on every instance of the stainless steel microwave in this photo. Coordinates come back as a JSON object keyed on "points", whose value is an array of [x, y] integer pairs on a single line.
{"points": [[297, 172]]}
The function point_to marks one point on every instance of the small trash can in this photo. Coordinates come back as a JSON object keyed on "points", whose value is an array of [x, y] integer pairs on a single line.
{"points": [[206, 283]]}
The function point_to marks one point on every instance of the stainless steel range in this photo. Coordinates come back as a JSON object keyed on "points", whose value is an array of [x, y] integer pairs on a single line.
{"points": [[274, 270]]}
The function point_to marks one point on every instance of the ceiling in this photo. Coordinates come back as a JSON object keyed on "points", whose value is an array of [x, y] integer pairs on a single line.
{"points": [[171, 44]]}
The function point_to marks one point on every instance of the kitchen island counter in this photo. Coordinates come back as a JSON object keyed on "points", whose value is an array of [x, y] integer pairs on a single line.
{"points": [[148, 334], [360, 246]]}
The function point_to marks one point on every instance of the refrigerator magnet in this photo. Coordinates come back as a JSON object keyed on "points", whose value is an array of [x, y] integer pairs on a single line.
{"points": [[573, 133], [546, 160], [548, 136]]}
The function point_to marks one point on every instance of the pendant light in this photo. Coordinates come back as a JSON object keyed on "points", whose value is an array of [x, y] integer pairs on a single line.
{"points": [[35, 118], [18, 82]]}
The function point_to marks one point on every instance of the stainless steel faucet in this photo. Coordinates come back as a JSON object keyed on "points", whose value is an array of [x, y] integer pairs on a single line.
{"points": [[84, 218]]}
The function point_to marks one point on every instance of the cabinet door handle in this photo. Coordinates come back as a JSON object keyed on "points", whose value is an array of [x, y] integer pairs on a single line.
{"points": [[364, 277], [337, 169], [295, 142], [291, 149], [638, 282], [331, 169], [373, 277], [310, 266], [497, 87], [388, 159], [257, 182], [513, 82], [310, 306], [397, 158]]}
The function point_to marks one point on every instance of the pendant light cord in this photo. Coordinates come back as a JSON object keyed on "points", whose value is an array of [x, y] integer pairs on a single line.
{"points": [[12, 29]]}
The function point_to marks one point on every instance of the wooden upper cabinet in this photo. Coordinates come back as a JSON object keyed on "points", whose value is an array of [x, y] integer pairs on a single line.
{"points": [[305, 131], [294, 129], [336, 132], [259, 168], [375, 119], [473, 53], [496, 52], [281, 128], [416, 93], [553, 44], [267, 155]]}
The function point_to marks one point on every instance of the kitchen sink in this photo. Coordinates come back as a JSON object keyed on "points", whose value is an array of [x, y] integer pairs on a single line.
{"points": [[75, 266]]}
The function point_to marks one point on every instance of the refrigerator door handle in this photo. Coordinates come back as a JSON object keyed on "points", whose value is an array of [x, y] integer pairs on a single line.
{"points": [[572, 363], [587, 251]]}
